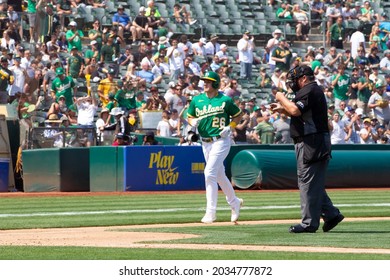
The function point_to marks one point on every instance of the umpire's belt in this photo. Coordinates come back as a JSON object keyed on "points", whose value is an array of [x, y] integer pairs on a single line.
{"points": [[211, 139], [297, 140]]}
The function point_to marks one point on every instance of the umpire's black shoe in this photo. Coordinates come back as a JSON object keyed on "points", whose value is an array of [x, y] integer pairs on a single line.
{"points": [[299, 229], [332, 223]]}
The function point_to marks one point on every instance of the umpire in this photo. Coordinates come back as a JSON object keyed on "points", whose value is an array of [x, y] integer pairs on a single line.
{"points": [[310, 132]]}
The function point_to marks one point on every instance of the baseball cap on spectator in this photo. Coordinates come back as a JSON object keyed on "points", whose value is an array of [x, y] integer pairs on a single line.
{"points": [[386, 52], [379, 83], [282, 39], [262, 69], [3, 58], [223, 46], [277, 69], [117, 111], [153, 88], [367, 69], [74, 48], [359, 111], [142, 9], [256, 108], [162, 40], [149, 133], [320, 77], [247, 32], [61, 97], [104, 110], [182, 76], [348, 109], [331, 105], [72, 23], [319, 57], [367, 120], [60, 71], [213, 36], [120, 135], [120, 7], [171, 84], [311, 48], [203, 40], [93, 42], [111, 71], [277, 31]]}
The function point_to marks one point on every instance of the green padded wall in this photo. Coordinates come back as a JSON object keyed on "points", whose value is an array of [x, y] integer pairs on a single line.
{"points": [[276, 169], [104, 169], [41, 170]]}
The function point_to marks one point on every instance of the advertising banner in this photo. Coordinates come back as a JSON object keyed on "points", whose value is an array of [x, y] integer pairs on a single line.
{"points": [[163, 168]]}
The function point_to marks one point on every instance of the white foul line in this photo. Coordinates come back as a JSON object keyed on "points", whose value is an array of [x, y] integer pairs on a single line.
{"points": [[81, 213]]}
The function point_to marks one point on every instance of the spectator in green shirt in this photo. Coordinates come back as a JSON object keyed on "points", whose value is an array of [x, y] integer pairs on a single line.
{"points": [[93, 52], [74, 36], [340, 83], [336, 34], [125, 96], [31, 12], [75, 64], [264, 131], [285, 12]]}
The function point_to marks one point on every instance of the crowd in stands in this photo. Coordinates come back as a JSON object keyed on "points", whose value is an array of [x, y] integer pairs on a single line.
{"points": [[103, 76]]}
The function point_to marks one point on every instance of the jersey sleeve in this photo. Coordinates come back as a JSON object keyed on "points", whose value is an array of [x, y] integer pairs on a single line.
{"points": [[233, 110], [191, 109], [302, 103]]}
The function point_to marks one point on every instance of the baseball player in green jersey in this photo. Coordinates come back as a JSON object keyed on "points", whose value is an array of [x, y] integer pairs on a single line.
{"points": [[210, 112]]}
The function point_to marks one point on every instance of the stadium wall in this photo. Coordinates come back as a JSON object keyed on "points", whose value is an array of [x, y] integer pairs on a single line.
{"points": [[175, 168]]}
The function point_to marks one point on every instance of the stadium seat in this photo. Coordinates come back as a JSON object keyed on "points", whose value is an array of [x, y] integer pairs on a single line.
{"points": [[99, 13]]}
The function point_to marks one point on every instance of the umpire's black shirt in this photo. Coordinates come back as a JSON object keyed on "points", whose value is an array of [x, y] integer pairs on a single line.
{"points": [[314, 116]]}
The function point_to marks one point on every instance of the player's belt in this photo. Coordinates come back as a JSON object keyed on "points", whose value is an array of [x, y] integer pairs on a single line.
{"points": [[211, 139]]}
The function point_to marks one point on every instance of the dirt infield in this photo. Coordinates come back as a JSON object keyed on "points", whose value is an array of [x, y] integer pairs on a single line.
{"points": [[115, 237]]}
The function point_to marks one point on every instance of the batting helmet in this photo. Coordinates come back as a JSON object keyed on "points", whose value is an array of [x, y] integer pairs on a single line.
{"points": [[214, 77]]}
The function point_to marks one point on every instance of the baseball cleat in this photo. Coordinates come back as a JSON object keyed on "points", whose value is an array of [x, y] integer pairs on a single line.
{"points": [[236, 211], [208, 218]]}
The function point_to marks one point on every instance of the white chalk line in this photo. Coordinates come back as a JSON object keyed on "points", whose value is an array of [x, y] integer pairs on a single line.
{"points": [[171, 210]]}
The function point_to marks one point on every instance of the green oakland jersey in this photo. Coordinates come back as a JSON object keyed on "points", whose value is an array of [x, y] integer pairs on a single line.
{"points": [[214, 113], [126, 99], [64, 88], [341, 88]]}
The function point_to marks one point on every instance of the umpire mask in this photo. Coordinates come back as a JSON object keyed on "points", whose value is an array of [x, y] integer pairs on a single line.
{"points": [[294, 74], [292, 79]]}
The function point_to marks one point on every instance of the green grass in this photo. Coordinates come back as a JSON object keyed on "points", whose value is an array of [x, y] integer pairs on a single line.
{"points": [[165, 208], [85, 253]]}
